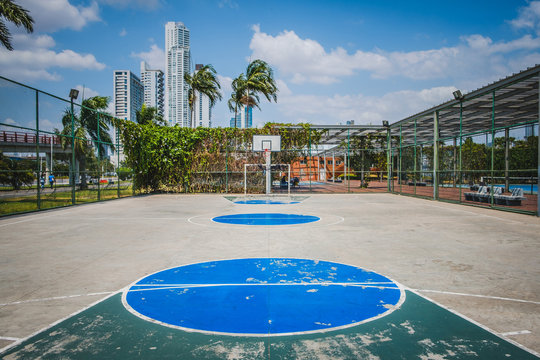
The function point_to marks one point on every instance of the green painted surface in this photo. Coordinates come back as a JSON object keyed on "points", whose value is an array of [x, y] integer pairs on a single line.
{"points": [[419, 330]]}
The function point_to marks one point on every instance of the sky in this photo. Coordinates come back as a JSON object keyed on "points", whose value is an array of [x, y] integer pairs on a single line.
{"points": [[333, 61]]}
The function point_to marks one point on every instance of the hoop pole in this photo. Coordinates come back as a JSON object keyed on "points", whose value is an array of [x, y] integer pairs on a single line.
{"points": [[289, 182], [245, 179], [267, 155]]}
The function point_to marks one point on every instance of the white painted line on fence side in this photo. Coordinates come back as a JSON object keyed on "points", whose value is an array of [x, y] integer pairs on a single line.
{"points": [[9, 338], [521, 332], [417, 292], [476, 295], [20, 341], [56, 298]]}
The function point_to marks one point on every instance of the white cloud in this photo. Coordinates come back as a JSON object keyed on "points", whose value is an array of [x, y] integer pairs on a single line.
{"points": [[529, 17], [306, 61], [86, 92], [225, 83], [123, 33], [283, 88], [155, 57], [145, 4], [228, 3], [361, 108], [53, 15], [34, 59]]}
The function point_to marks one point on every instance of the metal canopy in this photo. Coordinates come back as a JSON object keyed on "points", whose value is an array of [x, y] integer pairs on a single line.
{"points": [[508, 102]]}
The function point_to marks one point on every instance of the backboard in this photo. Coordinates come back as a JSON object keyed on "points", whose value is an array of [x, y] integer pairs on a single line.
{"points": [[267, 142]]}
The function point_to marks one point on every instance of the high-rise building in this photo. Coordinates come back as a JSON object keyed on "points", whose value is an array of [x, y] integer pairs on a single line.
{"points": [[152, 81], [529, 130], [201, 107], [247, 117], [177, 64], [128, 95], [236, 121]]}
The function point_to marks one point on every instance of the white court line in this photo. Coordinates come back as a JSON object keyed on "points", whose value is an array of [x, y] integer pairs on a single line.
{"points": [[476, 295], [9, 338], [521, 332], [474, 322], [262, 283], [189, 286], [20, 341], [56, 298]]}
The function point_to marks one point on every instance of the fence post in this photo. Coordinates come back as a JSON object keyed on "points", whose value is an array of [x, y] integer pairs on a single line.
{"points": [[435, 155], [37, 153]]}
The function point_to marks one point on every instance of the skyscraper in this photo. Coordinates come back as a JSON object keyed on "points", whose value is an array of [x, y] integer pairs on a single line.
{"points": [[247, 117], [128, 95], [236, 121], [152, 81], [177, 59]]}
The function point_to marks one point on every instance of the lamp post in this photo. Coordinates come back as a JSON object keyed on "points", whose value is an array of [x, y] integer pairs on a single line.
{"points": [[73, 94]]}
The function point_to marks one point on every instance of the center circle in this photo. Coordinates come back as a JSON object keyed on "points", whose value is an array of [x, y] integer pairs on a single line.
{"points": [[265, 219], [263, 296]]}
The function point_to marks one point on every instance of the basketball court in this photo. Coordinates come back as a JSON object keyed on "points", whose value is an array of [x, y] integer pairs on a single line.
{"points": [[375, 276]]}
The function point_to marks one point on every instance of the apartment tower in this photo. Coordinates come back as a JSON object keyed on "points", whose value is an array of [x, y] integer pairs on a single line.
{"points": [[177, 64]]}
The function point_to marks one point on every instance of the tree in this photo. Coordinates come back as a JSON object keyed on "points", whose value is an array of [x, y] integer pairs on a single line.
{"points": [[235, 101], [15, 14], [16, 172], [92, 124], [204, 81], [149, 115], [258, 80]]}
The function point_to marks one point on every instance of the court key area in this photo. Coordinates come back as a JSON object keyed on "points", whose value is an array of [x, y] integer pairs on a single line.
{"points": [[374, 276]]}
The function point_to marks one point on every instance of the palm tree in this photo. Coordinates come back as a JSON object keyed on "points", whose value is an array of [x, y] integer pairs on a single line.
{"points": [[15, 14], [91, 125], [259, 79], [149, 115], [204, 81]]}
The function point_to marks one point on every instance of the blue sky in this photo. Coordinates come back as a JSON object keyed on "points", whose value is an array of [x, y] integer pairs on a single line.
{"points": [[334, 60]]}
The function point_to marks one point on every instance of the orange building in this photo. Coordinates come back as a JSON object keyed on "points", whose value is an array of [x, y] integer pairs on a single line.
{"points": [[317, 168]]}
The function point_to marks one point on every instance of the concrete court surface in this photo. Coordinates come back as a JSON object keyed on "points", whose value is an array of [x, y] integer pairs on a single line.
{"points": [[482, 263]]}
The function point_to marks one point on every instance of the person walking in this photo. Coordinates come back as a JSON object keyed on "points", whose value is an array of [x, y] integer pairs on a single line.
{"points": [[51, 180]]}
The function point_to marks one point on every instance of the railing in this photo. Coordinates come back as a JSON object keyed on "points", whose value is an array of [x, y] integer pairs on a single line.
{"points": [[28, 138]]}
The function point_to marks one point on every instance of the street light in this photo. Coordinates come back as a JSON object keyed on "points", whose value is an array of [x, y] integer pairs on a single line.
{"points": [[458, 95], [73, 94]]}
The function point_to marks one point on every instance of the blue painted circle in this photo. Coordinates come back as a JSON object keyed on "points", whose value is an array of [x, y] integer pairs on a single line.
{"points": [[265, 219], [265, 202], [263, 296]]}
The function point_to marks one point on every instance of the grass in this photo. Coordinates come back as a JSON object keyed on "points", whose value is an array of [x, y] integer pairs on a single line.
{"points": [[59, 199]]}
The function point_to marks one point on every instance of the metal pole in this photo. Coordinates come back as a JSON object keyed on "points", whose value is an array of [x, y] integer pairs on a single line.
{"points": [[415, 161], [37, 153], [348, 159], [310, 159], [334, 166], [245, 178], [538, 161], [435, 155], [388, 159], [400, 175], [99, 159], [506, 159], [72, 154], [289, 182], [267, 155], [492, 145], [460, 148], [226, 166]]}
